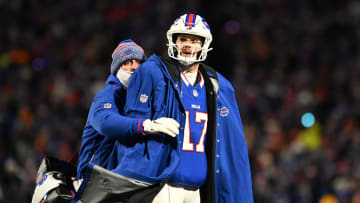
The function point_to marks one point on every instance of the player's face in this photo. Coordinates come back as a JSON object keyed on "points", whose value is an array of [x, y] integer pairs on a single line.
{"points": [[188, 45], [131, 65]]}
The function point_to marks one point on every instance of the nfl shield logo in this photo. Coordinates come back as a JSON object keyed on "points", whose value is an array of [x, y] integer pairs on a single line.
{"points": [[107, 106], [195, 93], [143, 98]]}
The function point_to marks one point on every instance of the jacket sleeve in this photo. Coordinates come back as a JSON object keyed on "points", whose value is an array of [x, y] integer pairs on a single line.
{"points": [[145, 92], [105, 117]]}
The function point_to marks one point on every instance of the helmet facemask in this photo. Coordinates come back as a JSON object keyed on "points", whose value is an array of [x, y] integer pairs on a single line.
{"points": [[186, 60]]}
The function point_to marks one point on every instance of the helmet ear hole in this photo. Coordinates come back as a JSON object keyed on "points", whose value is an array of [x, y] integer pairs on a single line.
{"points": [[202, 40], [174, 37], [175, 51]]}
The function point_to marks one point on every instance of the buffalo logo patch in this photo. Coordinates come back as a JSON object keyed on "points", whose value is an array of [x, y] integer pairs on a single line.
{"points": [[224, 111]]}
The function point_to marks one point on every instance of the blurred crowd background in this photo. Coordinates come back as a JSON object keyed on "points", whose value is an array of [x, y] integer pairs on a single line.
{"points": [[284, 58]]}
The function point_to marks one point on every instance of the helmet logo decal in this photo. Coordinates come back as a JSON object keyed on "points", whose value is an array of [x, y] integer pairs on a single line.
{"points": [[206, 24], [42, 180]]}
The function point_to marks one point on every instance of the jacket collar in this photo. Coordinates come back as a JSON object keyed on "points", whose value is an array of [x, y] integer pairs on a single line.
{"points": [[172, 67]]}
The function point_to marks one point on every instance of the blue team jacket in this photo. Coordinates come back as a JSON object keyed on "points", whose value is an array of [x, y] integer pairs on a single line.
{"points": [[105, 124], [154, 92]]}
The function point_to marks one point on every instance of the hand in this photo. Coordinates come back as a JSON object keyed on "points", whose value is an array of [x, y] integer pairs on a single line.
{"points": [[164, 125]]}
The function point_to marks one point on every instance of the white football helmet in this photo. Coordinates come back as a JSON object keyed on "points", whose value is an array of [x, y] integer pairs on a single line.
{"points": [[48, 182], [45, 190], [191, 24]]}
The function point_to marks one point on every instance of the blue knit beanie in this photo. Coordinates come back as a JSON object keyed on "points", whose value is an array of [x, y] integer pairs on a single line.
{"points": [[126, 50]]}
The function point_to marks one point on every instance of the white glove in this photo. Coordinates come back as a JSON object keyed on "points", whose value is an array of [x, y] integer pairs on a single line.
{"points": [[164, 125]]}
